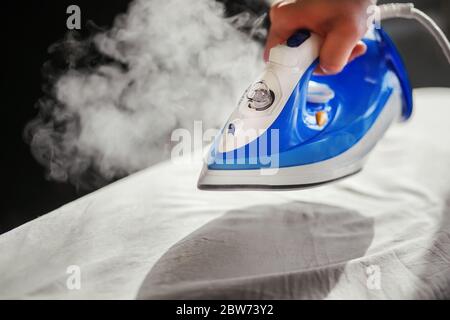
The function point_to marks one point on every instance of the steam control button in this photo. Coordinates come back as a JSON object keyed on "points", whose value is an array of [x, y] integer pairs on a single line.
{"points": [[298, 38]]}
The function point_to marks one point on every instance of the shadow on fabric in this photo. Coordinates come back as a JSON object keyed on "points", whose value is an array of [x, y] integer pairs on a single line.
{"points": [[434, 278], [294, 251]]}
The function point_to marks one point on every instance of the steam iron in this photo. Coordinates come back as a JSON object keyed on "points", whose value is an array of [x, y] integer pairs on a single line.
{"points": [[293, 129]]}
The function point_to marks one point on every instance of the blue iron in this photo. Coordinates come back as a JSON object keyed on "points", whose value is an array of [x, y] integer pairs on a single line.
{"points": [[294, 129]]}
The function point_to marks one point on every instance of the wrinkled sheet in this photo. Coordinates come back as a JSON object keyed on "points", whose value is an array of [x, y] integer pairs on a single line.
{"points": [[381, 234]]}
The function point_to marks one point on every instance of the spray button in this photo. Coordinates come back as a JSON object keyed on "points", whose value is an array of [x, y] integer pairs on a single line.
{"points": [[231, 129], [234, 126]]}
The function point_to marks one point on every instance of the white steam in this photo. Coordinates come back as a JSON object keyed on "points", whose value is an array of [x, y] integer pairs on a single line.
{"points": [[183, 62]]}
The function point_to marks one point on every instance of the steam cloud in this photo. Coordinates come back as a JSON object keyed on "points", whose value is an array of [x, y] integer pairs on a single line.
{"points": [[163, 65]]}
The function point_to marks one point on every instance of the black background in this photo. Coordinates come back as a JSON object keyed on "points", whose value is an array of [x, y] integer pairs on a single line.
{"points": [[28, 28]]}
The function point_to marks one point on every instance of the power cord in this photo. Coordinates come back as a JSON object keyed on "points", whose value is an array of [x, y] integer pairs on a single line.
{"points": [[408, 11]]}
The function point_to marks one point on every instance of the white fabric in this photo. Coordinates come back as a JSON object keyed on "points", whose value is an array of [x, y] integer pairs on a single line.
{"points": [[395, 219]]}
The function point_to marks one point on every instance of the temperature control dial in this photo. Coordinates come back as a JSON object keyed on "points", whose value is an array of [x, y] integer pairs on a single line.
{"points": [[259, 96]]}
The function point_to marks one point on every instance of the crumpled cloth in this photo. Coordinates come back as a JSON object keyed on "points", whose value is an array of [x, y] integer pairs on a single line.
{"points": [[381, 234]]}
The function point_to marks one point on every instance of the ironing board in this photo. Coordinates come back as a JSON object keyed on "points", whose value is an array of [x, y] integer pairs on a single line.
{"points": [[381, 234]]}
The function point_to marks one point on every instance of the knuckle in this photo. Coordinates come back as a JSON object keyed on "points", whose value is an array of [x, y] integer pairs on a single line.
{"points": [[278, 13], [275, 10], [352, 28], [284, 12]]}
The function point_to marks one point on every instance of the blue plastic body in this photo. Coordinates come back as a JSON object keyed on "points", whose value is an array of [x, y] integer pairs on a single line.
{"points": [[362, 90]]}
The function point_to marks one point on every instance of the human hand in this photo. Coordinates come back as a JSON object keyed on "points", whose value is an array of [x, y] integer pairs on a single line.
{"points": [[342, 24]]}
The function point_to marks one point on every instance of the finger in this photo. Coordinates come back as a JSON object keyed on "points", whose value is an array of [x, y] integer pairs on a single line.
{"points": [[273, 39], [359, 50], [286, 18], [337, 49]]}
